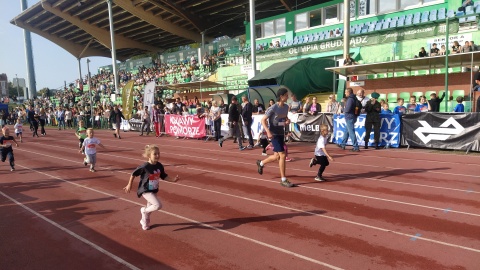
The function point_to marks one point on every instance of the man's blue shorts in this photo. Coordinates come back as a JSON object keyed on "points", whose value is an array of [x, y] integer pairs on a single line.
{"points": [[278, 142]]}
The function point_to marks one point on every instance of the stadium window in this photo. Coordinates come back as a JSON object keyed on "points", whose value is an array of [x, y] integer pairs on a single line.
{"points": [[280, 26], [315, 18], [301, 21], [386, 6], [408, 3], [331, 14], [353, 9], [268, 29], [258, 31]]}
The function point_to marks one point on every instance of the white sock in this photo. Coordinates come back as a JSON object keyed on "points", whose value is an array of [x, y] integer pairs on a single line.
{"points": [[261, 163], [284, 179]]}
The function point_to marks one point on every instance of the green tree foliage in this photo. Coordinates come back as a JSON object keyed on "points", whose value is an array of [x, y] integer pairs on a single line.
{"points": [[12, 90]]}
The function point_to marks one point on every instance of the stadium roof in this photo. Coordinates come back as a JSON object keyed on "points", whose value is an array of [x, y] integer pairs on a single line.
{"points": [[82, 26]]}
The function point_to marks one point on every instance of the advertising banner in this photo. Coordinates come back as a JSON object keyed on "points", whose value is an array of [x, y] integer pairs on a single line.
{"points": [[389, 130], [455, 131], [306, 128], [127, 100], [185, 126]]}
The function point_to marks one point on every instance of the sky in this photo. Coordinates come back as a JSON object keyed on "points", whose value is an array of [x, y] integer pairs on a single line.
{"points": [[53, 65]]}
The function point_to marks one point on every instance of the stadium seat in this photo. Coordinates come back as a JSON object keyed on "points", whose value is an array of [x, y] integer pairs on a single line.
{"points": [[295, 41], [408, 20], [371, 27], [441, 14], [458, 93], [451, 106], [416, 17], [417, 95], [469, 10], [460, 13], [462, 20], [379, 25], [433, 15], [392, 97], [393, 23], [405, 96], [428, 93], [451, 14], [382, 96], [424, 17], [386, 24], [316, 37], [471, 18], [322, 36], [365, 28], [477, 9]]}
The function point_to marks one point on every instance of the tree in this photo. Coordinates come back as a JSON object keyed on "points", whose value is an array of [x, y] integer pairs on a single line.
{"points": [[12, 90], [43, 91]]}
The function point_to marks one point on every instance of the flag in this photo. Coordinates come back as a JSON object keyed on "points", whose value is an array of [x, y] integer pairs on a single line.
{"points": [[127, 100]]}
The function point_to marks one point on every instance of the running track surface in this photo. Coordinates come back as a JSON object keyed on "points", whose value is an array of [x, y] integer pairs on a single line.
{"points": [[380, 209]]}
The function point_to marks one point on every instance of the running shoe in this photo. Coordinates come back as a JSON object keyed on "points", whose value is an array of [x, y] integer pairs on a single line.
{"points": [[320, 179], [312, 162], [241, 148], [85, 162], [287, 183], [12, 169], [220, 142], [114, 135], [288, 159], [264, 154], [259, 167]]}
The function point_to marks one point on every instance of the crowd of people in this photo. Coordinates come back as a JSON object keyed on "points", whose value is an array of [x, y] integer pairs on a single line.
{"points": [[469, 46]]}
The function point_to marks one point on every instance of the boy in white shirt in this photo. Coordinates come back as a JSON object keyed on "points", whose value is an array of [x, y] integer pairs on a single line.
{"points": [[321, 155], [19, 129], [89, 146]]}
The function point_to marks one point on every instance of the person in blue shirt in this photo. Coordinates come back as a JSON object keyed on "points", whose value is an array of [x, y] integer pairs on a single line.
{"points": [[385, 109], [459, 107], [400, 109], [422, 106]]}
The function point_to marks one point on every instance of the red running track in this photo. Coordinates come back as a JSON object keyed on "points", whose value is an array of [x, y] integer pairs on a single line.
{"points": [[380, 209]]}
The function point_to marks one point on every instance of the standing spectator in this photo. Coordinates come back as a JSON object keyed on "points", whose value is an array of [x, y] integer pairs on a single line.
{"points": [[412, 104], [233, 122], [247, 109], [42, 117], [422, 106], [466, 48], [116, 118], [459, 107], [156, 120], [296, 105], [350, 119], [434, 50], [216, 115], [348, 61], [68, 118], [434, 102], [277, 117], [145, 117], [422, 52], [373, 109], [456, 47], [341, 106], [474, 47], [362, 98], [400, 109], [60, 115]]}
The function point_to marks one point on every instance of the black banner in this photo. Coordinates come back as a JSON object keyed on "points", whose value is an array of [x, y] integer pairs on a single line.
{"points": [[307, 127], [455, 131]]}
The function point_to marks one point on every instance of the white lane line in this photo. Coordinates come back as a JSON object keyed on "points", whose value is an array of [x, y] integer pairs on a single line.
{"points": [[265, 203], [273, 181], [301, 170], [78, 237], [171, 214]]}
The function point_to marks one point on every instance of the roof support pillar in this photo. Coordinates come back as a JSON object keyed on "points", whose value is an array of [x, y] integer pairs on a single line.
{"points": [[114, 52], [346, 28], [253, 38]]}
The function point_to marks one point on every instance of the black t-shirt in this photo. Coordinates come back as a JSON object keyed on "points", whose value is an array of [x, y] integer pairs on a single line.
{"points": [[8, 141], [150, 175]]}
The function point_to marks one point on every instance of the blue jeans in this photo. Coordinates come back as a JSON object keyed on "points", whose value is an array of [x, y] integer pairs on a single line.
{"points": [[350, 132]]}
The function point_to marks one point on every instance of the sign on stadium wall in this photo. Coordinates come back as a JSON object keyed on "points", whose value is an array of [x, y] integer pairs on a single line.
{"points": [[389, 130], [456, 131], [358, 41]]}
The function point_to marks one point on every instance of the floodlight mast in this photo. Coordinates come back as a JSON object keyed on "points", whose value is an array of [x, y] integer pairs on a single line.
{"points": [[112, 41]]}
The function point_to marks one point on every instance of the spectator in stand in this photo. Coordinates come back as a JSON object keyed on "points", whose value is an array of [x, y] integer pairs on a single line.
{"points": [[386, 109], [459, 107], [223, 107], [466, 48], [434, 51], [178, 107], [412, 104], [271, 102], [422, 106], [434, 102], [348, 61], [465, 4], [277, 44], [308, 102], [247, 110], [314, 108], [373, 109], [341, 106], [332, 105], [296, 105], [474, 47], [60, 115], [258, 108], [362, 98], [422, 52], [221, 55], [443, 50], [400, 109], [68, 118], [456, 48]]}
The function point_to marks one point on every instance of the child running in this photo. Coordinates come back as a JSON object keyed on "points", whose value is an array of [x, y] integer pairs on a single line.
{"points": [[321, 155], [89, 147], [81, 134], [150, 174], [6, 147], [19, 129]]}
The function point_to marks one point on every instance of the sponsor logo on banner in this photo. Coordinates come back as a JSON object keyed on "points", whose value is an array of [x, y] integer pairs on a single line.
{"points": [[389, 130], [185, 126], [440, 134], [127, 100]]}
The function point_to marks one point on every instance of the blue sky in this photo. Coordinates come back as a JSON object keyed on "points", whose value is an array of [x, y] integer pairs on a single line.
{"points": [[53, 65]]}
